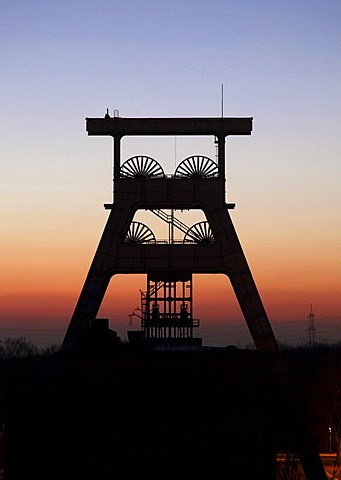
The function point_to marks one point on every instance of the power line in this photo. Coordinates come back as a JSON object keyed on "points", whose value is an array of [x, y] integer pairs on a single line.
{"points": [[30, 330]]}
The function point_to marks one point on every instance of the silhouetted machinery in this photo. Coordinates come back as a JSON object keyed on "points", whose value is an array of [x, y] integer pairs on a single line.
{"points": [[166, 313], [211, 246]]}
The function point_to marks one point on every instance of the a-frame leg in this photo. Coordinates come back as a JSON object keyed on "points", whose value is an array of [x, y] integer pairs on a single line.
{"points": [[98, 278], [237, 269]]}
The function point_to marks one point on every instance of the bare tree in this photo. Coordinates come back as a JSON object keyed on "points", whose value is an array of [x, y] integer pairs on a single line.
{"points": [[17, 347]]}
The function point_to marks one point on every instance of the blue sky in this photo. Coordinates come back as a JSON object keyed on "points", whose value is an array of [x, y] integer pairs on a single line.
{"points": [[279, 62], [170, 57]]}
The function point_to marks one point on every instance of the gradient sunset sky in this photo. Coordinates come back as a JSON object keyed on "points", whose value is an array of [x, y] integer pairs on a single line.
{"points": [[279, 62]]}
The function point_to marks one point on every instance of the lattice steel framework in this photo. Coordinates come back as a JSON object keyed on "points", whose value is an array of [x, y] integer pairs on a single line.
{"points": [[167, 310]]}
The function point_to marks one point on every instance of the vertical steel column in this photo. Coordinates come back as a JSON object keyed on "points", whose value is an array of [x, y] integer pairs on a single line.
{"points": [[117, 155], [221, 156]]}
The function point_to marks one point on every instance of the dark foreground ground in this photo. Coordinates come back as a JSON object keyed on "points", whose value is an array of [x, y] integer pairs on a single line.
{"points": [[134, 413]]}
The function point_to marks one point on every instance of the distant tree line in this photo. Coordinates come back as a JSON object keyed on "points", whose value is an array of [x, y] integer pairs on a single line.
{"points": [[304, 347], [19, 347], [315, 347]]}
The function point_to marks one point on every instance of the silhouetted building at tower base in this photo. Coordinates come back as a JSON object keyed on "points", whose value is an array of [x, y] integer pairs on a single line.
{"points": [[136, 337]]}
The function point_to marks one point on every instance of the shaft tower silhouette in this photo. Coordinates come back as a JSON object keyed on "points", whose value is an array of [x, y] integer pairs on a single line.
{"points": [[130, 248]]}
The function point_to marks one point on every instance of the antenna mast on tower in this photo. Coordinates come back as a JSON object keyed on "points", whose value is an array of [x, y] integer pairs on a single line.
{"points": [[311, 327], [222, 100]]}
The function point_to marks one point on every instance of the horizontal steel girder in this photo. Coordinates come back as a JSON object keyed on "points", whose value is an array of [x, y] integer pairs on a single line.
{"points": [[118, 126]]}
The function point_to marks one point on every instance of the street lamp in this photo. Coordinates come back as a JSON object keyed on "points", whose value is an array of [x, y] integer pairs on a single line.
{"points": [[330, 439]]}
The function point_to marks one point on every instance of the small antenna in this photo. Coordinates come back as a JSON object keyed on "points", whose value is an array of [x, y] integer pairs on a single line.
{"points": [[222, 100]]}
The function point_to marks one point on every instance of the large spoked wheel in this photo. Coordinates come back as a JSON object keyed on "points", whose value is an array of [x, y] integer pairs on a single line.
{"points": [[141, 167], [139, 233], [197, 166], [199, 233]]}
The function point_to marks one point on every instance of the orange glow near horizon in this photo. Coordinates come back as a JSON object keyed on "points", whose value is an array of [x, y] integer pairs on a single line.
{"points": [[214, 304], [36, 295]]}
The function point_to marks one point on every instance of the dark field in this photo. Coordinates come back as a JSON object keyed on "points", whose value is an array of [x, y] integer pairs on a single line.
{"points": [[134, 413]]}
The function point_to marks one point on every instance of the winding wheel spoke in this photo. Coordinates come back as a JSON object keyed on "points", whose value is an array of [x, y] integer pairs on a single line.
{"points": [[141, 167], [139, 233], [199, 233], [197, 166]]}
